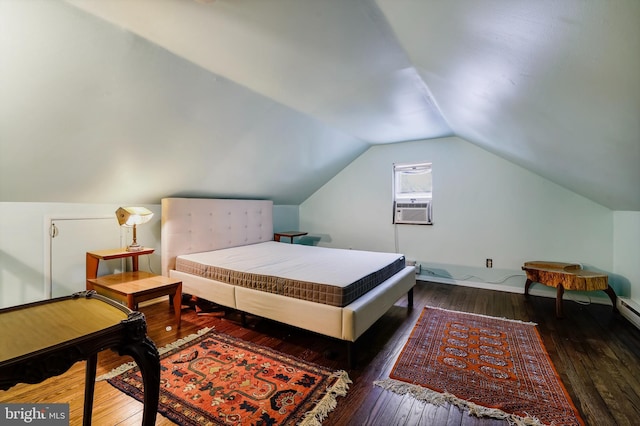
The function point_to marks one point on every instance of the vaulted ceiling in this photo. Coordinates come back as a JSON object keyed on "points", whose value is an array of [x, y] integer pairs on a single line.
{"points": [[273, 97]]}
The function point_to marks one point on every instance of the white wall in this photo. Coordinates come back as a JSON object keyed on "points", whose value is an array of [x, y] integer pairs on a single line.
{"points": [[626, 252], [87, 108], [285, 218], [23, 240], [484, 207], [23, 244]]}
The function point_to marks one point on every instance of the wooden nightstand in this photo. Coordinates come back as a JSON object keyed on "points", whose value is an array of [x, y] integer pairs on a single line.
{"points": [[135, 286], [94, 258], [288, 234]]}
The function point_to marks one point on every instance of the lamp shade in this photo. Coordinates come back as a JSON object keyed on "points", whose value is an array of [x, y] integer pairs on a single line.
{"points": [[129, 216]]}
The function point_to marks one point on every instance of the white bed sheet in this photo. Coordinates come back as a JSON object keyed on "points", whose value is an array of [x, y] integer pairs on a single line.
{"points": [[336, 267]]}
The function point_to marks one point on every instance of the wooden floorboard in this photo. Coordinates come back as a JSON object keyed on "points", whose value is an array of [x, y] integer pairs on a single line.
{"points": [[596, 354]]}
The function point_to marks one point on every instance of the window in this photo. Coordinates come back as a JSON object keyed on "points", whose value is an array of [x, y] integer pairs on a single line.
{"points": [[412, 193]]}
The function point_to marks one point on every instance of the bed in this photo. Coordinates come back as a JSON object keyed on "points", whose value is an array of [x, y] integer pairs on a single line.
{"points": [[223, 251]]}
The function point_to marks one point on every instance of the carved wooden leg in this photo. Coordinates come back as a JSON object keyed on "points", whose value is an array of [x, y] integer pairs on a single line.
{"points": [[526, 287], [559, 309], [89, 386], [146, 356], [613, 297]]}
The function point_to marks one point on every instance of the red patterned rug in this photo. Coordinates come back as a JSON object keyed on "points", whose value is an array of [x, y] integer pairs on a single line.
{"points": [[488, 366], [216, 379]]}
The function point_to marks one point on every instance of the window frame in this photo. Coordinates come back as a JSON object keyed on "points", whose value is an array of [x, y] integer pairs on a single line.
{"points": [[416, 201]]}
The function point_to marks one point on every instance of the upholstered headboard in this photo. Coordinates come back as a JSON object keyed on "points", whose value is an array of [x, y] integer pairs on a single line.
{"points": [[192, 225]]}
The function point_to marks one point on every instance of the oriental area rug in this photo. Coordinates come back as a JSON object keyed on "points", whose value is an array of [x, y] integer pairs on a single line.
{"points": [[486, 366], [216, 379]]}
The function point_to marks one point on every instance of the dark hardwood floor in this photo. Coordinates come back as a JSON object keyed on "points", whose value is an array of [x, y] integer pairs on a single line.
{"points": [[596, 353]]}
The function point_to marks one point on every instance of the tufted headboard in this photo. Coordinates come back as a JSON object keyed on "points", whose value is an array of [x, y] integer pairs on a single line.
{"points": [[192, 225]]}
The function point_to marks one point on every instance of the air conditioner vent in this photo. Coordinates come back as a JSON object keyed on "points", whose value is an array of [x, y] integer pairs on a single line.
{"points": [[413, 205], [412, 213]]}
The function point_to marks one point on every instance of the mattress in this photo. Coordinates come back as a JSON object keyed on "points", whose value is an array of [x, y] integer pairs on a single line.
{"points": [[330, 276]]}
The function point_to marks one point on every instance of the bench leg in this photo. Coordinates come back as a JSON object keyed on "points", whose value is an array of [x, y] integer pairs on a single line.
{"points": [[613, 297], [559, 309], [526, 287]]}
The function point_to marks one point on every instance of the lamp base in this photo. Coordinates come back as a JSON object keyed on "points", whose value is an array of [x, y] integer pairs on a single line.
{"points": [[135, 248]]}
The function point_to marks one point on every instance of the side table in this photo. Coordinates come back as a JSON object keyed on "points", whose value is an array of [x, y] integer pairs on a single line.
{"points": [[566, 276], [94, 257], [44, 339], [134, 286], [137, 286], [288, 234]]}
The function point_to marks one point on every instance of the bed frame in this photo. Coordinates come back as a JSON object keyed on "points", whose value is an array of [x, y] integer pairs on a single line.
{"points": [[193, 225]]}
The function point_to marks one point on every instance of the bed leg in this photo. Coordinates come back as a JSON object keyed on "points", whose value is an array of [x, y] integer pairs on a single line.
{"points": [[351, 354], [243, 319], [410, 298]]}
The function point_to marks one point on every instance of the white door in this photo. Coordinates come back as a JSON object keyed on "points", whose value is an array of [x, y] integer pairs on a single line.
{"points": [[70, 240]]}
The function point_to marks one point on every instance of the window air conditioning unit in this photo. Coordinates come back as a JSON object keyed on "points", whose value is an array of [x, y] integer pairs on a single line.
{"points": [[412, 213]]}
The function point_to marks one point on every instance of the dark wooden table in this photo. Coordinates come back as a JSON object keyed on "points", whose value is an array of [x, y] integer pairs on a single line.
{"points": [[44, 339], [288, 234]]}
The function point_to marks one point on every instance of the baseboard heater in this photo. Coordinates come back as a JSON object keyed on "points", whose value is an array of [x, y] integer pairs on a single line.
{"points": [[630, 310]]}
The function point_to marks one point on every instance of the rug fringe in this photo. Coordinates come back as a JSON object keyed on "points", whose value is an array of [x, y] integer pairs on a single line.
{"points": [[484, 316], [329, 401], [129, 365], [437, 398]]}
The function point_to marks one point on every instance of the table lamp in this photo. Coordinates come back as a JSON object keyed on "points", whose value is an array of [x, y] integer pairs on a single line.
{"points": [[131, 217]]}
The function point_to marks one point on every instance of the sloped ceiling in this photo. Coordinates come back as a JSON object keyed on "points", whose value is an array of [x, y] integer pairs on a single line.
{"points": [[553, 85], [106, 91]]}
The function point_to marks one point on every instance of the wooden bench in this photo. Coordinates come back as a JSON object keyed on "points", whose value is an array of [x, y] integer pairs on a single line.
{"points": [[566, 276]]}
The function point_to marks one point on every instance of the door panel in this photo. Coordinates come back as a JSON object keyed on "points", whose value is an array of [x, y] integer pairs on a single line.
{"points": [[70, 240]]}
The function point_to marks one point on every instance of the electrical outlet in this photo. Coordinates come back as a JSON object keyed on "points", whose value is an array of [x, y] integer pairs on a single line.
{"points": [[489, 263]]}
